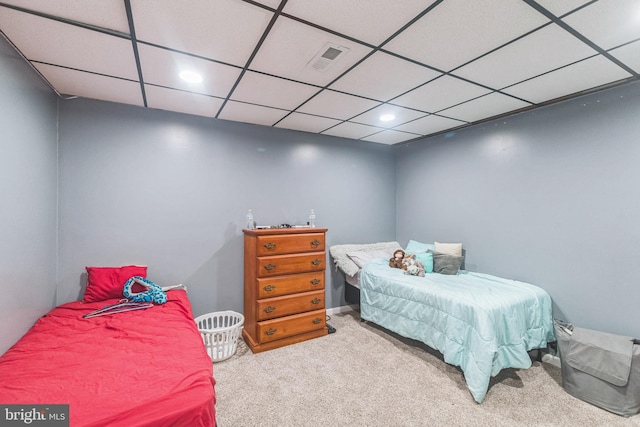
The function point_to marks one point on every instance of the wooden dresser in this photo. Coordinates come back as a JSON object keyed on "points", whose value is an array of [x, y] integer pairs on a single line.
{"points": [[284, 300]]}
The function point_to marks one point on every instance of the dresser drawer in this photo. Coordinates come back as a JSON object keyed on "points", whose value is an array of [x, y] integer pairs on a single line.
{"points": [[288, 264], [289, 304], [285, 244], [271, 330], [283, 285]]}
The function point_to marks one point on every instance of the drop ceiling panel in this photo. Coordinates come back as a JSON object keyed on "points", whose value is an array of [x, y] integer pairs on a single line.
{"points": [[70, 46], [608, 23], [162, 67], [368, 78], [390, 137], [546, 49], [430, 124], [271, 91], [351, 130], [629, 54], [224, 30], [291, 45], [402, 115], [255, 58], [457, 31], [371, 21], [307, 123], [249, 113], [337, 105], [109, 14], [559, 8], [183, 102], [484, 107], [586, 74], [440, 93], [95, 86]]}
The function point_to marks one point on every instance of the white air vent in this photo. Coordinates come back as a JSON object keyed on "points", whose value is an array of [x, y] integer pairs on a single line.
{"points": [[327, 56]]}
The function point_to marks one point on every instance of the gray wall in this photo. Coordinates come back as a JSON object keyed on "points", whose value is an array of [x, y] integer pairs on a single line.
{"points": [[549, 197], [171, 191], [28, 171]]}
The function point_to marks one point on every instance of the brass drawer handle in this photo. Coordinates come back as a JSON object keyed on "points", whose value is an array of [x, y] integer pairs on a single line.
{"points": [[270, 267], [315, 282], [270, 245], [269, 288], [270, 331], [315, 300], [317, 320], [315, 243], [269, 309], [316, 262]]}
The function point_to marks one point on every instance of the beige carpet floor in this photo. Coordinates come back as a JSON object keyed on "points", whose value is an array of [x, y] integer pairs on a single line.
{"points": [[364, 375]]}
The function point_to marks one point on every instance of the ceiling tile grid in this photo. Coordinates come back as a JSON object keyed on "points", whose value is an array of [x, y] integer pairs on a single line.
{"points": [[330, 67]]}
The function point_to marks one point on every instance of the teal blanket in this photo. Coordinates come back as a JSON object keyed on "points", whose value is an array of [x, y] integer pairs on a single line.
{"points": [[479, 322]]}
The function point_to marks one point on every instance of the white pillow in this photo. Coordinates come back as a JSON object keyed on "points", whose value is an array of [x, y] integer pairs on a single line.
{"points": [[449, 248], [361, 257]]}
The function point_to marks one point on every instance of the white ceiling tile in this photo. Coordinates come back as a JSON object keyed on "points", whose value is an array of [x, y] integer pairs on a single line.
{"points": [[390, 137], [183, 102], [546, 49], [271, 91], [337, 105], [586, 74], [271, 3], [559, 8], [110, 14], [402, 115], [95, 86], [608, 23], [371, 21], [351, 130], [306, 122], [70, 46], [224, 30], [484, 107], [249, 113], [457, 31], [629, 55], [429, 124], [162, 67], [376, 77], [440, 93], [291, 45]]}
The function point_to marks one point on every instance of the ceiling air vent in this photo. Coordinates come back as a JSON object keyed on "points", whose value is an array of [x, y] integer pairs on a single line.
{"points": [[327, 56]]}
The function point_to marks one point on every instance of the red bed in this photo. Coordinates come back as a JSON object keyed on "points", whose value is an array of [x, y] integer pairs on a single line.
{"points": [[138, 368]]}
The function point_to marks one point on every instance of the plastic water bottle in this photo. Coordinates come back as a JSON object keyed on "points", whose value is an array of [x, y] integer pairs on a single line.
{"points": [[251, 224], [312, 219]]}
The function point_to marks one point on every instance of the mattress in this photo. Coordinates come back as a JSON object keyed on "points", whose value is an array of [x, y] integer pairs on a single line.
{"points": [[479, 322], [138, 368]]}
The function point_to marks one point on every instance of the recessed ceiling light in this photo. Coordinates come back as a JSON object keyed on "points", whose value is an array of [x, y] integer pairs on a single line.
{"points": [[191, 77], [387, 117]]}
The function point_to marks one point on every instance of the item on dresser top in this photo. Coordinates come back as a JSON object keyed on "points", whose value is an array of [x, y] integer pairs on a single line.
{"points": [[284, 292]]}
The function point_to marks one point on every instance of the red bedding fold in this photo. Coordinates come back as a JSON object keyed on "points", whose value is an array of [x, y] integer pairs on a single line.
{"points": [[138, 368]]}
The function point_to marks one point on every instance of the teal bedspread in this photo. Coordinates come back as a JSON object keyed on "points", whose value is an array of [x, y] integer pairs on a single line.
{"points": [[479, 322]]}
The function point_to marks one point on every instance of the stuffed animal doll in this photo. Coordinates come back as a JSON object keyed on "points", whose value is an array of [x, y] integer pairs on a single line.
{"points": [[396, 260], [412, 265]]}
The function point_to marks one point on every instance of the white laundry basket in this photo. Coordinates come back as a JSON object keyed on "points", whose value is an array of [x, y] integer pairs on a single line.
{"points": [[220, 332]]}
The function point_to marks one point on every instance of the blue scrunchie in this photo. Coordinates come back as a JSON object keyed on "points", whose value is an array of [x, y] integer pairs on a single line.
{"points": [[154, 293]]}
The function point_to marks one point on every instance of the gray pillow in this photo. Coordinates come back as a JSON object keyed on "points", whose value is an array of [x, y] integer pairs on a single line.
{"points": [[445, 263]]}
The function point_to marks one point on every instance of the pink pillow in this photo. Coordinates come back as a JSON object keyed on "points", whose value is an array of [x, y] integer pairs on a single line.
{"points": [[107, 282]]}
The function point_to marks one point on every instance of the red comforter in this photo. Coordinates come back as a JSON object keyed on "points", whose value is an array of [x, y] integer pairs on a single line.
{"points": [[138, 368]]}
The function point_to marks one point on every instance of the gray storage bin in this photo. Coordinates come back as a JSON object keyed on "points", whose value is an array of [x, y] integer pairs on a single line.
{"points": [[600, 368]]}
